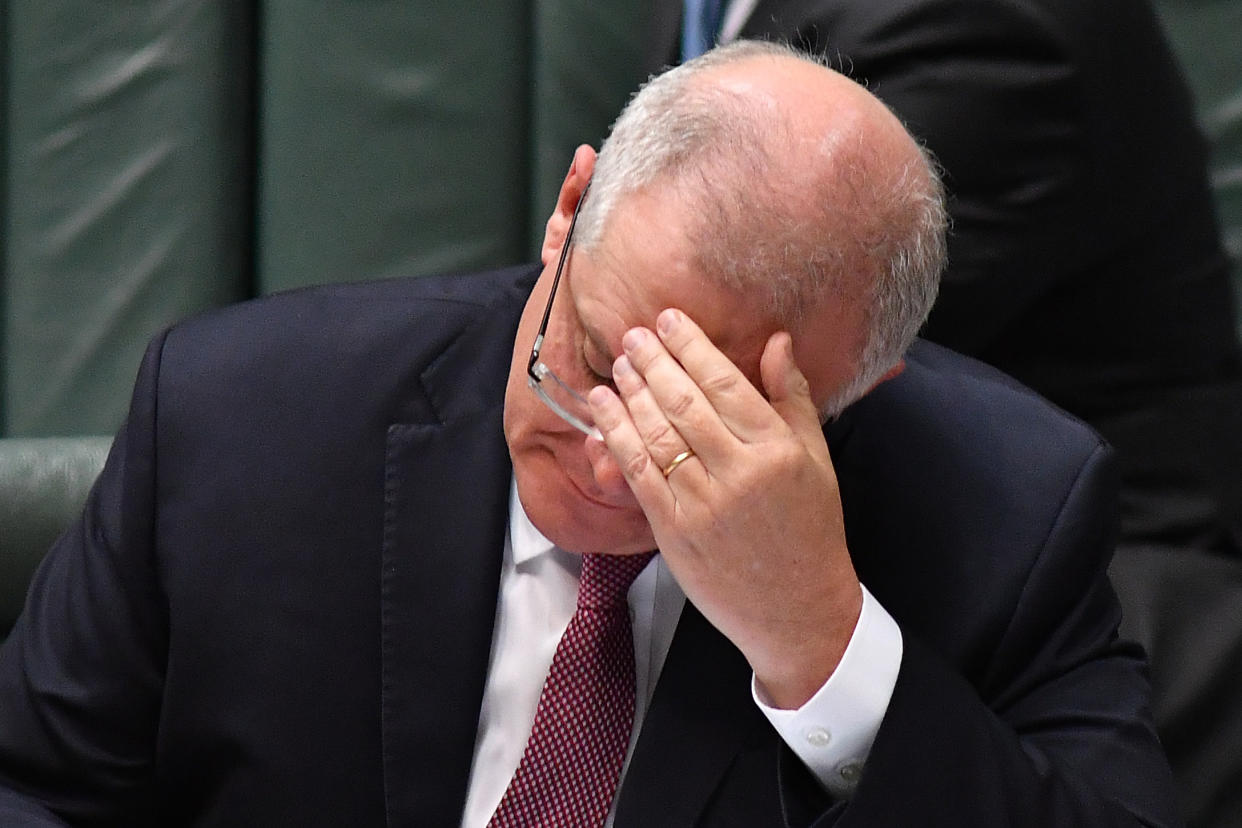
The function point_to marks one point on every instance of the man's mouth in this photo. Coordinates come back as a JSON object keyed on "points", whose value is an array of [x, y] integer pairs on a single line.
{"points": [[587, 494]]}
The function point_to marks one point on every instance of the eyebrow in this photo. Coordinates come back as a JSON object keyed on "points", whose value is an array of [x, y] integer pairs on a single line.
{"points": [[597, 344], [588, 330]]}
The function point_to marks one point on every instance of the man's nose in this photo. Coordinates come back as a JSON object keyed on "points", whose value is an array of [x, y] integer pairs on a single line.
{"points": [[607, 473]]}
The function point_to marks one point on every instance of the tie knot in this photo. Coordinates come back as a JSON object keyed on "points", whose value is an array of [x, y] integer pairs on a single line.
{"points": [[606, 579]]}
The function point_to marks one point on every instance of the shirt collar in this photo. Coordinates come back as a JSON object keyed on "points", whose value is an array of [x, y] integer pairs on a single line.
{"points": [[527, 541]]}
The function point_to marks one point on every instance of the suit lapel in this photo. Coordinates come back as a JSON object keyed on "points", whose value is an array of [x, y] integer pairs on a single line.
{"points": [[701, 716], [446, 512]]}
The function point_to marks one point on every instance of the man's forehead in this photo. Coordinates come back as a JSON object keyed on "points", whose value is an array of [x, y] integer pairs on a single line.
{"points": [[613, 297]]}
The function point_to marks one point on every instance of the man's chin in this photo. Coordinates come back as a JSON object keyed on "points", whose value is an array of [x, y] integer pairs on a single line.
{"points": [[578, 523], [615, 532], [594, 545]]}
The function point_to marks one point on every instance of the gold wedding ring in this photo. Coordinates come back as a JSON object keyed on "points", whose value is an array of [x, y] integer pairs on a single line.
{"points": [[677, 461]]}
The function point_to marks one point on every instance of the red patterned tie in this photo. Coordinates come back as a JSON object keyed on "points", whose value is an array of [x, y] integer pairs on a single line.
{"points": [[569, 772]]}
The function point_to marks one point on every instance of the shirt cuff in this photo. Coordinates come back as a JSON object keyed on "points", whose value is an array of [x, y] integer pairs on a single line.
{"points": [[833, 732]]}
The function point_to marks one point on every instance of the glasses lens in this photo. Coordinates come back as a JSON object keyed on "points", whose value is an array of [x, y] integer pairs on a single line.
{"points": [[567, 403]]}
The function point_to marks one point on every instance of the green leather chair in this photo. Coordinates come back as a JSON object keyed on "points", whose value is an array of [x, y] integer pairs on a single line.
{"points": [[43, 483]]}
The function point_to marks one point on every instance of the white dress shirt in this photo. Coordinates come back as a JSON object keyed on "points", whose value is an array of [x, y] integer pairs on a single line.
{"points": [[832, 733]]}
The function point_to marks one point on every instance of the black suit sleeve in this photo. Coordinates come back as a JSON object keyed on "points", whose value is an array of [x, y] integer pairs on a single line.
{"points": [[1052, 730], [81, 674]]}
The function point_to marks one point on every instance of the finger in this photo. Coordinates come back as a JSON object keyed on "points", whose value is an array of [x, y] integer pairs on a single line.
{"points": [[638, 467], [787, 388], [662, 439], [736, 401], [675, 396]]}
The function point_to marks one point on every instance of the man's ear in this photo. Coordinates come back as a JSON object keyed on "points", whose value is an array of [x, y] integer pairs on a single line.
{"points": [[572, 187]]}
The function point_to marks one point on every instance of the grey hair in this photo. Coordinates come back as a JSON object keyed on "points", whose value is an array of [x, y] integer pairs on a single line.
{"points": [[858, 228]]}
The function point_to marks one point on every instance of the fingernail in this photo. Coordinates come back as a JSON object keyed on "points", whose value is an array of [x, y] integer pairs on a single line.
{"points": [[667, 321], [622, 366], [633, 338], [598, 396]]}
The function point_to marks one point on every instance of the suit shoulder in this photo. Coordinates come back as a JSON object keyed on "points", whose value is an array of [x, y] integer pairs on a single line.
{"points": [[957, 472], [957, 436], [307, 348], [336, 318], [461, 294], [953, 392]]}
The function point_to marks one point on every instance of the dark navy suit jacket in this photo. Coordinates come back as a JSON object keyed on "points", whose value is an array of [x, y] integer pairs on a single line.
{"points": [[277, 606]]}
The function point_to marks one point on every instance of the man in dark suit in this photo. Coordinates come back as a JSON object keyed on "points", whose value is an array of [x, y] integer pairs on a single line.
{"points": [[1084, 258], [315, 581]]}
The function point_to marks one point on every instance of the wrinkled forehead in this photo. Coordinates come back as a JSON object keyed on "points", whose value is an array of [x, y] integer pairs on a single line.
{"points": [[644, 265], [612, 294]]}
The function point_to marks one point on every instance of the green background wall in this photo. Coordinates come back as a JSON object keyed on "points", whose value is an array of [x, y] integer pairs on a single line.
{"points": [[160, 158]]}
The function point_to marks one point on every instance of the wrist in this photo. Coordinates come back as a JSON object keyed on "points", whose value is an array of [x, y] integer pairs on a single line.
{"points": [[790, 674]]}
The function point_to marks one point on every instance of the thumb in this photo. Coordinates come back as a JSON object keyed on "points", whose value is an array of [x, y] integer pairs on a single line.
{"points": [[787, 389]]}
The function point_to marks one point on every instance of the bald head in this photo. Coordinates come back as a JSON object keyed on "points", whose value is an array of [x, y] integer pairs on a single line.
{"points": [[797, 186]]}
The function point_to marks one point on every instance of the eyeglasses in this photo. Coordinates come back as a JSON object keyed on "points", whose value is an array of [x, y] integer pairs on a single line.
{"points": [[567, 403]]}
